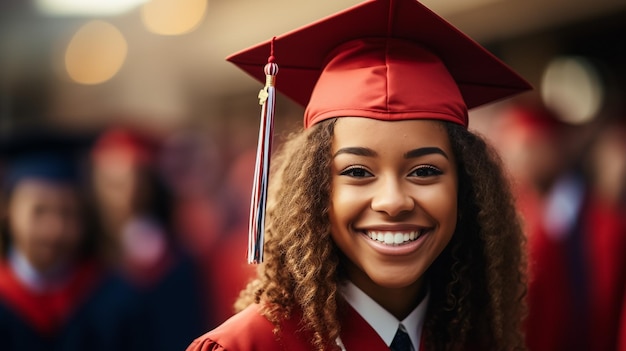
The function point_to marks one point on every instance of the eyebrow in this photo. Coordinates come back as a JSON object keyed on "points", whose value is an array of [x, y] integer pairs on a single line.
{"points": [[358, 151], [363, 151], [425, 151]]}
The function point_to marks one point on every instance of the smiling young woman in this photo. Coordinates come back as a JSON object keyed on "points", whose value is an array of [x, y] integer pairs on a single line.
{"points": [[386, 219], [467, 270]]}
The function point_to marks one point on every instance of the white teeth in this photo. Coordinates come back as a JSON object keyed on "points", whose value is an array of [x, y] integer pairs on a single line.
{"points": [[398, 238], [388, 238], [394, 238]]}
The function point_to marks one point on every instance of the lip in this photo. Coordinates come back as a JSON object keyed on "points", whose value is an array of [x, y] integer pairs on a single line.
{"points": [[396, 250]]}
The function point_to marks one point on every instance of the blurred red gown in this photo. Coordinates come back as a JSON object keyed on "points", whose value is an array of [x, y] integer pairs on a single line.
{"points": [[556, 321]]}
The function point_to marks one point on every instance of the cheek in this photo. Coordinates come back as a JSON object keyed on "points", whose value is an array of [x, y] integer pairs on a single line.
{"points": [[75, 234], [21, 224], [69, 218], [441, 203], [343, 210], [442, 197], [345, 204]]}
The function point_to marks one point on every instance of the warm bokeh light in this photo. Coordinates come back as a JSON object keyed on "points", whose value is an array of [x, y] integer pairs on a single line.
{"points": [[96, 53], [572, 88], [82, 7], [173, 17]]}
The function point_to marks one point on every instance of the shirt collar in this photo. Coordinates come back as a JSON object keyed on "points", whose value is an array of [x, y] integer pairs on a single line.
{"points": [[30, 277], [383, 322]]}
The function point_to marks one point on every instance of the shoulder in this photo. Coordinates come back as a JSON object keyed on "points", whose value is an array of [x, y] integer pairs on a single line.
{"points": [[248, 330]]}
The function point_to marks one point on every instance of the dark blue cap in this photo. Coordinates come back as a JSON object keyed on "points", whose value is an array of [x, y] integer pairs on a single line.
{"points": [[49, 156], [50, 166]]}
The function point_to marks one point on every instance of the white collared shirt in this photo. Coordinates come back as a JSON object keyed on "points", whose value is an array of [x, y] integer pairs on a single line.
{"points": [[383, 322], [33, 279]]}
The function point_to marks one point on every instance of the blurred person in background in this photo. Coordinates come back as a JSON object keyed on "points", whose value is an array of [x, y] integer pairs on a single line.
{"points": [[54, 292], [135, 209], [531, 142], [209, 214], [227, 264], [602, 222], [570, 183], [192, 169]]}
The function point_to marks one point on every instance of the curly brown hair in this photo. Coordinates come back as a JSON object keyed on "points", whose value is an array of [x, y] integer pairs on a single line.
{"points": [[477, 284]]}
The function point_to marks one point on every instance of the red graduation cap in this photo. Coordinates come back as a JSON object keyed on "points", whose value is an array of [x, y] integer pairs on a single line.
{"points": [[403, 35], [382, 59]]}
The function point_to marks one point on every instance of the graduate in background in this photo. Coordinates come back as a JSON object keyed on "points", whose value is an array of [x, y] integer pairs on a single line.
{"points": [[135, 207], [532, 144], [602, 240], [210, 215], [577, 249], [54, 293], [389, 225], [571, 197]]}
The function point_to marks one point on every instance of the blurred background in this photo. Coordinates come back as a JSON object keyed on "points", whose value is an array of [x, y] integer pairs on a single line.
{"points": [[163, 132]]}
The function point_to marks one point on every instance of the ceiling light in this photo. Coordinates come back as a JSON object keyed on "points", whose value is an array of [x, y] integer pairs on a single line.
{"points": [[96, 53], [86, 8]]}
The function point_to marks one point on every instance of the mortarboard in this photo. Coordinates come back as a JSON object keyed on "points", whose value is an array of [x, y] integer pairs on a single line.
{"points": [[38, 154], [381, 59]]}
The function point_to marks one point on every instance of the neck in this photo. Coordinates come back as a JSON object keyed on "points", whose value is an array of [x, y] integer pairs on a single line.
{"points": [[400, 302]]}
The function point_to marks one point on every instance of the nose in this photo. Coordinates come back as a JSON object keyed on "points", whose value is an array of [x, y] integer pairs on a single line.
{"points": [[57, 224], [391, 198]]}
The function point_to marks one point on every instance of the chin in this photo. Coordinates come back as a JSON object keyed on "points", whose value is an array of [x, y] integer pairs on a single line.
{"points": [[393, 281]]}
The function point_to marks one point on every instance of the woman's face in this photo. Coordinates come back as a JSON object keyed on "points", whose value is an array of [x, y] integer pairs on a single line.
{"points": [[45, 223], [115, 182], [394, 198]]}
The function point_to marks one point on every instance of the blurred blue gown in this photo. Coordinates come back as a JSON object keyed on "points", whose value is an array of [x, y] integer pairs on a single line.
{"points": [[93, 310]]}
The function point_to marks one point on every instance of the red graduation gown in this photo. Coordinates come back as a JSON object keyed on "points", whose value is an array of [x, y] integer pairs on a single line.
{"points": [[568, 325], [605, 240], [46, 311], [251, 331]]}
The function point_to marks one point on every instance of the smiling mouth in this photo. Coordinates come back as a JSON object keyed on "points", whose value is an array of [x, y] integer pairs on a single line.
{"points": [[395, 238]]}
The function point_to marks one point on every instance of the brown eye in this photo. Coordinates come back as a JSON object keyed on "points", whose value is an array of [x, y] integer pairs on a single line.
{"points": [[426, 171], [356, 172]]}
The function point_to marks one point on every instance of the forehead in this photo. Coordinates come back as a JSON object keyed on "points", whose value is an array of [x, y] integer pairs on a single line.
{"points": [[359, 131], [43, 190]]}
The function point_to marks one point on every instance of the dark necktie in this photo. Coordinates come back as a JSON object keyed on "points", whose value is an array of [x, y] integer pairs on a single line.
{"points": [[401, 341]]}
